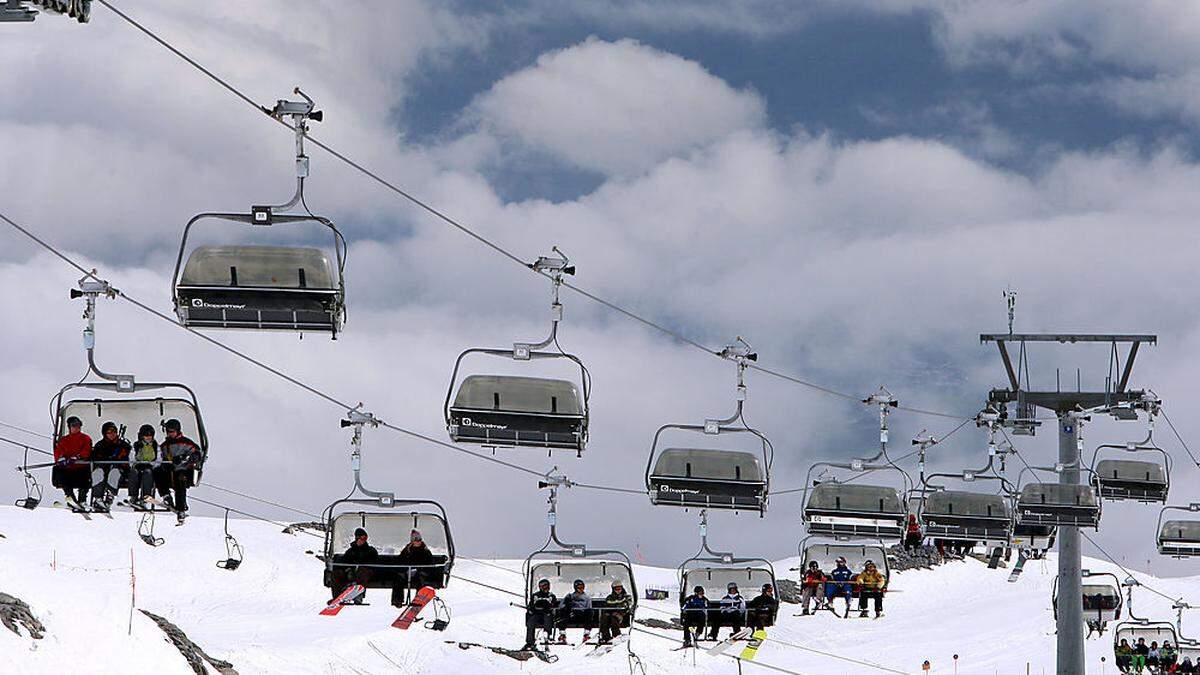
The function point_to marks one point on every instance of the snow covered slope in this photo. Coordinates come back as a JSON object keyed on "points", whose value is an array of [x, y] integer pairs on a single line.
{"points": [[264, 617]]}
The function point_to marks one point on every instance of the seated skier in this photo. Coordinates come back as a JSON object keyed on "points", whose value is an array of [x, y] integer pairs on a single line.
{"points": [[760, 611], [810, 587], [613, 612], [417, 554], [1123, 654], [870, 587], [110, 459], [539, 614], [732, 612], [694, 614], [71, 472], [181, 460], [840, 583], [576, 610], [142, 463], [355, 565]]}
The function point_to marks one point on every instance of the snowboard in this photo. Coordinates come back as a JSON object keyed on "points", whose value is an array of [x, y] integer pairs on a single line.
{"points": [[414, 608], [518, 654], [994, 558], [1016, 570], [756, 639], [352, 592], [725, 644], [601, 650]]}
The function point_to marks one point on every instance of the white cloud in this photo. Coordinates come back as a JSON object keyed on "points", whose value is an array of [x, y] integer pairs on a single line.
{"points": [[616, 107]]}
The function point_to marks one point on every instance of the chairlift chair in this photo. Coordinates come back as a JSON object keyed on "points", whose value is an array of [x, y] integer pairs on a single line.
{"points": [[1102, 599], [388, 527], [709, 478], [1132, 479], [962, 515], [856, 510], [597, 568], [715, 570], [282, 288], [1070, 504], [825, 554], [1153, 631], [1034, 537], [233, 550], [517, 411], [1179, 538], [129, 410]]}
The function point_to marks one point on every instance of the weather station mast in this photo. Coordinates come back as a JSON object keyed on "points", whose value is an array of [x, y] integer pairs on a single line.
{"points": [[1071, 409]]}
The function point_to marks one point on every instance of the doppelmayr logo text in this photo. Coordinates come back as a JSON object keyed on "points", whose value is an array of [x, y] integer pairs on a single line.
{"points": [[468, 422], [197, 302]]}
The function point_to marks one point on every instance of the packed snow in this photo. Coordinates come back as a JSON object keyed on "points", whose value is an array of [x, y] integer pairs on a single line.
{"points": [[263, 617]]}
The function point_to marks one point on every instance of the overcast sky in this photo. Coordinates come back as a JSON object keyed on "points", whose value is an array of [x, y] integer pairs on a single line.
{"points": [[848, 185]]}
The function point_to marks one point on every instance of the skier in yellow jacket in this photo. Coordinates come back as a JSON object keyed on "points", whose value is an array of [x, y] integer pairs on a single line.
{"points": [[870, 585]]}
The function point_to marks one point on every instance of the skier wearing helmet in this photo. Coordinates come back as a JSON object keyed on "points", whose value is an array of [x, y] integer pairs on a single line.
{"points": [[871, 583], [694, 615], [840, 583], [539, 614], [181, 460], [71, 454], [576, 611], [732, 612], [761, 611], [810, 587]]}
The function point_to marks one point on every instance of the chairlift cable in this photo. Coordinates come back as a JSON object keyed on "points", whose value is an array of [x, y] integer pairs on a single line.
{"points": [[480, 238], [251, 515], [260, 500], [1178, 436], [23, 430], [26, 447], [1124, 570]]}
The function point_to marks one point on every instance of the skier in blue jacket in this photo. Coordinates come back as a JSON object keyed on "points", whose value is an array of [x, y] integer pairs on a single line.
{"points": [[694, 615], [840, 583]]}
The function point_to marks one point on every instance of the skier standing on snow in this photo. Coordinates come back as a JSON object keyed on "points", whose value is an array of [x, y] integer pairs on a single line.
{"points": [[695, 615], [613, 613], [760, 612], [417, 554], [142, 462], [539, 614], [870, 586], [71, 454], [840, 583], [577, 609], [814, 578], [107, 474], [354, 565], [733, 609], [912, 534], [181, 457]]}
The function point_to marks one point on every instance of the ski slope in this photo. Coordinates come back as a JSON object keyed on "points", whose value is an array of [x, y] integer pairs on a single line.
{"points": [[264, 618]]}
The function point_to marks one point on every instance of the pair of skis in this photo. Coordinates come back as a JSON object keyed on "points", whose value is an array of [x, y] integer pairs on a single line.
{"points": [[756, 638], [518, 654], [354, 592]]}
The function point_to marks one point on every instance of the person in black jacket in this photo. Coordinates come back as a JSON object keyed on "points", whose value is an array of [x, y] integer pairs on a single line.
{"points": [[539, 614], [614, 612], [110, 457], [181, 459], [355, 564], [417, 554], [760, 612]]}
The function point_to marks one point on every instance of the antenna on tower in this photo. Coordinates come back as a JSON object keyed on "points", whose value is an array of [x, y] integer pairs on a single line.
{"points": [[1010, 297]]}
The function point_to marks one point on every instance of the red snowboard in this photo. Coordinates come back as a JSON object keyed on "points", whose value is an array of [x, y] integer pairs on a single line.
{"points": [[352, 592], [410, 613]]}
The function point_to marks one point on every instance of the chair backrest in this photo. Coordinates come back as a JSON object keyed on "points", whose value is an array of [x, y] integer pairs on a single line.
{"points": [[856, 497], [716, 580], [259, 267], [1058, 495], [722, 465], [388, 532], [1187, 531], [967, 504], [597, 576], [131, 414], [512, 393], [1130, 470]]}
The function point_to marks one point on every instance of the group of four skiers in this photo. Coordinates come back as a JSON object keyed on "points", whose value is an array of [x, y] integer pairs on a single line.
{"points": [[1141, 657], [101, 469]]}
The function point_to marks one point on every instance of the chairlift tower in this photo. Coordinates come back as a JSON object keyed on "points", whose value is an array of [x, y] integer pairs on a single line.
{"points": [[1071, 408]]}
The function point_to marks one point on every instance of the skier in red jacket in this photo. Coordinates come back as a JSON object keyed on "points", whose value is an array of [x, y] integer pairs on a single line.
{"points": [[71, 454], [814, 578], [912, 534]]}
